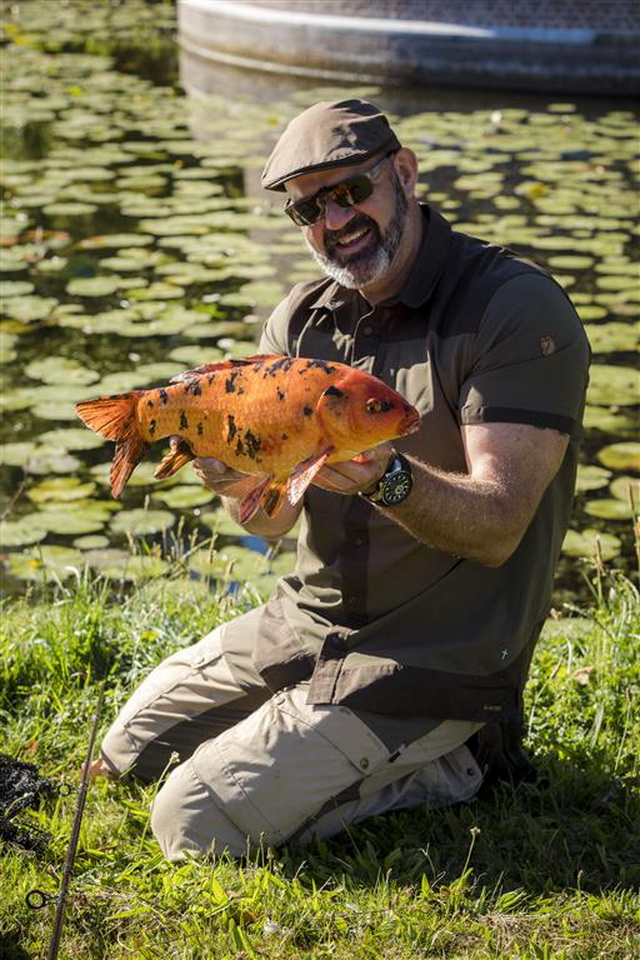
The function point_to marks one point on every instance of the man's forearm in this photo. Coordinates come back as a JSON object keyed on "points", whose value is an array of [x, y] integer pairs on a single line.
{"points": [[459, 515]]}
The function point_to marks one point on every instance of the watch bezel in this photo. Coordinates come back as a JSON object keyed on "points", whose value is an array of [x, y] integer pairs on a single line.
{"points": [[398, 469]]}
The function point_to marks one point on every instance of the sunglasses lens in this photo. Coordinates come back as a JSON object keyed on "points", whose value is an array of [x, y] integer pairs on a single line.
{"points": [[352, 191], [306, 212]]}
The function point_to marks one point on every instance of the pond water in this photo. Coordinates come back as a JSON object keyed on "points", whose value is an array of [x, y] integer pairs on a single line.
{"points": [[136, 243]]}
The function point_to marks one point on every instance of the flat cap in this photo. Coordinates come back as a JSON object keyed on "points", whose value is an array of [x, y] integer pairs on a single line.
{"points": [[328, 135]]}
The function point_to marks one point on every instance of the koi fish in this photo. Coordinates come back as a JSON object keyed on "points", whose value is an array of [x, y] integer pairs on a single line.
{"points": [[277, 419]]}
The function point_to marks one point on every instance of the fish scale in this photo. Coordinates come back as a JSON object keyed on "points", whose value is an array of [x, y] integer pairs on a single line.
{"points": [[277, 419]]}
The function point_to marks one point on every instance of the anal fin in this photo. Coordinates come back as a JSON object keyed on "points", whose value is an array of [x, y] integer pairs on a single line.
{"points": [[174, 461]]}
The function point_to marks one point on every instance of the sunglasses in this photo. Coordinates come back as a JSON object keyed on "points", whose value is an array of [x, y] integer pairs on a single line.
{"points": [[346, 194]]}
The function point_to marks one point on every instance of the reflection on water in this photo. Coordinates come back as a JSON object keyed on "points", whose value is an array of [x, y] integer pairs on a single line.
{"points": [[137, 242]]}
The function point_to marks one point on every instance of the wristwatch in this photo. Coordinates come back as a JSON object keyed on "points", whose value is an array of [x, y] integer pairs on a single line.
{"points": [[394, 485]]}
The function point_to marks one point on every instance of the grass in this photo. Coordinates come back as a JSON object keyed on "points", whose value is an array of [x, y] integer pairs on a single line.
{"points": [[540, 871]]}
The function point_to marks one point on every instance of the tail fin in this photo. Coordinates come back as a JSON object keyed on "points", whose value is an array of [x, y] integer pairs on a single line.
{"points": [[114, 418]]}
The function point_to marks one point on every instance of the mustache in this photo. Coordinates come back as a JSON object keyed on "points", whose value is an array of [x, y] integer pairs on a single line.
{"points": [[359, 222]]}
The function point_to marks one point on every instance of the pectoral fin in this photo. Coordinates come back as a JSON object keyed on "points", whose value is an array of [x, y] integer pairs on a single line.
{"points": [[304, 473]]}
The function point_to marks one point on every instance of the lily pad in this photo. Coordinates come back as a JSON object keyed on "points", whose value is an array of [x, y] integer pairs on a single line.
{"points": [[591, 477], [60, 489], [626, 489], [60, 370], [184, 497], [45, 564], [20, 532], [15, 288], [610, 384], [141, 522], [621, 456], [586, 543], [609, 509]]}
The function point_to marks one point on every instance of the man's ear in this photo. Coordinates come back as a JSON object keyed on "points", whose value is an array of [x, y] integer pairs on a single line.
{"points": [[406, 166]]}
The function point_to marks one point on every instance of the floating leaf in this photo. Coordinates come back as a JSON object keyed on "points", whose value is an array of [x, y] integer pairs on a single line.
{"points": [[142, 522], [591, 477], [60, 370], [47, 563], [18, 533], [621, 456], [60, 489], [183, 497], [609, 384], [586, 543], [15, 288]]}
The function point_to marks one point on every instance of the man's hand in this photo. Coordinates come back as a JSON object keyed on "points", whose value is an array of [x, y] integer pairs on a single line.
{"points": [[219, 478], [355, 476]]}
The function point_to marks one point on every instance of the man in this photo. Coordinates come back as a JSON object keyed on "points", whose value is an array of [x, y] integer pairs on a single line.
{"points": [[423, 574]]}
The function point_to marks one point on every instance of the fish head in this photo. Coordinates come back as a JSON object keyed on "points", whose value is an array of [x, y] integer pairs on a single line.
{"points": [[360, 411]]}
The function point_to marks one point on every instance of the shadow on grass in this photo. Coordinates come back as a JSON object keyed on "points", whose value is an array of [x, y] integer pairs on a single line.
{"points": [[10, 948], [579, 829]]}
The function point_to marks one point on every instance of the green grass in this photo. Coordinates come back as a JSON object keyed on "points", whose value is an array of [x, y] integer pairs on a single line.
{"points": [[544, 871]]}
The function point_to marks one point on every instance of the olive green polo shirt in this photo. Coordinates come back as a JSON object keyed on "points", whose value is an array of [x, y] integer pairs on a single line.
{"points": [[378, 620]]}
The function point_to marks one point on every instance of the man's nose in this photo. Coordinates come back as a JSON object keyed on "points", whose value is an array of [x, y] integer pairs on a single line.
{"points": [[335, 216]]}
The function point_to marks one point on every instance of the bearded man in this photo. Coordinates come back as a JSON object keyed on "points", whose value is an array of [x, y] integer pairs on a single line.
{"points": [[388, 668]]}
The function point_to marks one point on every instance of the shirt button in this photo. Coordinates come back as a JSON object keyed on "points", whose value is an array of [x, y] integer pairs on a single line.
{"points": [[367, 330], [364, 763], [358, 542]]}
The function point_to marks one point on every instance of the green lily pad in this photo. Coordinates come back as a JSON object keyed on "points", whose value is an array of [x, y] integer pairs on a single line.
{"points": [[585, 544], [591, 477], [94, 286], [114, 241], [47, 563], [60, 489], [71, 438], [626, 489], [141, 522], [91, 541], [222, 523], [60, 370], [19, 533], [609, 384], [621, 456], [609, 509], [67, 519], [613, 421], [614, 336], [183, 497], [15, 288]]}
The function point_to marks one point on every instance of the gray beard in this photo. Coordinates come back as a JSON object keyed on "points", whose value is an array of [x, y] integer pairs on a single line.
{"points": [[369, 266]]}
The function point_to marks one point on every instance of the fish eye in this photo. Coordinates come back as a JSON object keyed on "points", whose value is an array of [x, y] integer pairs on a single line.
{"points": [[373, 405]]}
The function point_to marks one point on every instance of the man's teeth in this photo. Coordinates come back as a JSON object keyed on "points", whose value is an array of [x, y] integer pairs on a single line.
{"points": [[352, 237]]}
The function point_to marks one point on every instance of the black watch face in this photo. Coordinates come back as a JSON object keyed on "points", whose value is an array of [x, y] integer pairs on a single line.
{"points": [[396, 488]]}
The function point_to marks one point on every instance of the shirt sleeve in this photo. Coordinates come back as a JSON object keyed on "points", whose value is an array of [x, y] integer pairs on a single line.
{"points": [[274, 338], [529, 362]]}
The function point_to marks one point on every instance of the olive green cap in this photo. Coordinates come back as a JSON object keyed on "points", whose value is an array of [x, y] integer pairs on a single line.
{"points": [[328, 135]]}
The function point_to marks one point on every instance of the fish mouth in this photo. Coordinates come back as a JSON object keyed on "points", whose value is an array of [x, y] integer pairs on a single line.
{"points": [[410, 422]]}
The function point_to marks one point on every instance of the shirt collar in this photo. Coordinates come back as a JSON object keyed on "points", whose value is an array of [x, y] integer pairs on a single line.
{"points": [[425, 273]]}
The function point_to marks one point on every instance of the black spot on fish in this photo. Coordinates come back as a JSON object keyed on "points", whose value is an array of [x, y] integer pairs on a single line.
{"points": [[281, 394], [200, 429], [150, 404], [319, 365], [231, 427], [210, 378], [333, 392], [230, 382], [184, 423], [282, 363], [252, 443], [164, 396], [285, 436], [152, 427], [308, 411]]}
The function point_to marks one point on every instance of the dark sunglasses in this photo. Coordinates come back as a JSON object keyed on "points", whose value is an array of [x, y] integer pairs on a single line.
{"points": [[346, 194]]}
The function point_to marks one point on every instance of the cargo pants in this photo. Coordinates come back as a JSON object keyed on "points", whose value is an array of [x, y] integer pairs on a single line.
{"points": [[254, 766]]}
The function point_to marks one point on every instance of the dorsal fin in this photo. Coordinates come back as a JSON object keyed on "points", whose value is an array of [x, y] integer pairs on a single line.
{"points": [[224, 365]]}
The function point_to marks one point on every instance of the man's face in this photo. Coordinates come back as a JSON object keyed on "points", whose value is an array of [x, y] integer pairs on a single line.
{"points": [[356, 245]]}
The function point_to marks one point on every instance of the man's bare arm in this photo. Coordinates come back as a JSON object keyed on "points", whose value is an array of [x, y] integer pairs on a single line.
{"points": [[481, 515]]}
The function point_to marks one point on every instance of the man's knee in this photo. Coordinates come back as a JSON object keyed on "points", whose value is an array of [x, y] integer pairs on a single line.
{"points": [[186, 821]]}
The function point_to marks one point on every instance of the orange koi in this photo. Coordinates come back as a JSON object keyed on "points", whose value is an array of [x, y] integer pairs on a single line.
{"points": [[277, 419]]}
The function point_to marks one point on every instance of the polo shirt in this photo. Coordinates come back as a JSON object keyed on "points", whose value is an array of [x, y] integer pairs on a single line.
{"points": [[374, 618]]}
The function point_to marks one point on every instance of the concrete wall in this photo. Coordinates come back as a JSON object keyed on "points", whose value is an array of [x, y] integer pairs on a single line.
{"points": [[560, 46]]}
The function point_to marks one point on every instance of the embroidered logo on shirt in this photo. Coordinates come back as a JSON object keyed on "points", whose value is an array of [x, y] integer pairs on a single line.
{"points": [[548, 346]]}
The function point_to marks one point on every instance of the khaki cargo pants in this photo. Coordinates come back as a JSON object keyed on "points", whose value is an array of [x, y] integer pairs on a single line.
{"points": [[261, 767]]}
